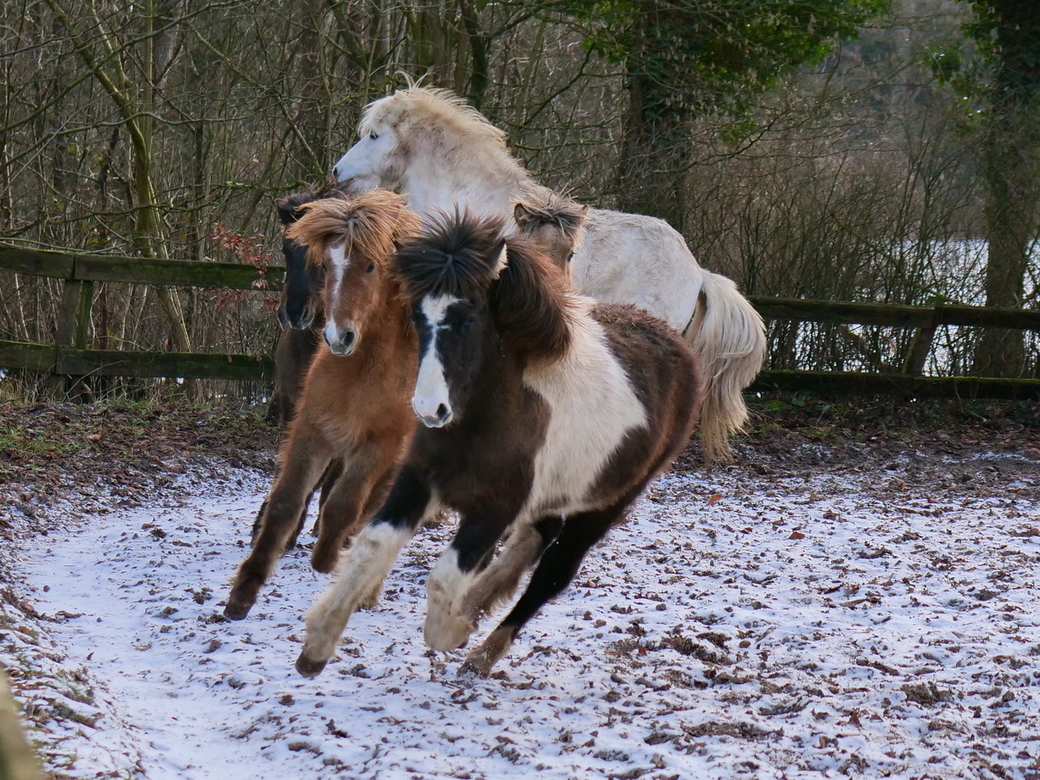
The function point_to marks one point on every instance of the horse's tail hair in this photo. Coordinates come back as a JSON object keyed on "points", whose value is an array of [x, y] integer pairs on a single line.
{"points": [[731, 339]]}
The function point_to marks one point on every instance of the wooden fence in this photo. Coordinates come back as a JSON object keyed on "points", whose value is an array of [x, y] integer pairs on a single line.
{"points": [[68, 355]]}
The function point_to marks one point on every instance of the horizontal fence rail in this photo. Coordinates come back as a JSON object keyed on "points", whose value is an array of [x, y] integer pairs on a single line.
{"points": [[79, 270], [83, 267]]}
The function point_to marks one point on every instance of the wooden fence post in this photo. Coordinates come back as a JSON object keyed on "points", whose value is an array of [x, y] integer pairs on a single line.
{"points": [[17, 760], [921, 344], [77, 297]]}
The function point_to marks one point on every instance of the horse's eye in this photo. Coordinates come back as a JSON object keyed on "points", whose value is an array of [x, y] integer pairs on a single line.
{"points": [[371, 268], [373, 135], [570, 257], [470, 319]]}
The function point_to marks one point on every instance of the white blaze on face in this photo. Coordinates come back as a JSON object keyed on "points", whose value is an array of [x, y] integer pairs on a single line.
{"points": [[339, 262], [431, 387]]}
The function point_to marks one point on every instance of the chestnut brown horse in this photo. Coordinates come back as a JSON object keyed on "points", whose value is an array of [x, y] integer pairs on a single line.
{"points": [[355, 400], [545, 415]]}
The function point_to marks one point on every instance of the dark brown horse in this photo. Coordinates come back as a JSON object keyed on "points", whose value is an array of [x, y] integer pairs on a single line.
{"points": [[301, 311], [546, 415], [355, 401]]}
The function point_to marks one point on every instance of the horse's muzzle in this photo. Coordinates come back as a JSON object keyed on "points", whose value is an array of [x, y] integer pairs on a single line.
{"points": [[341, 342], [297, 319], [438, 419]]}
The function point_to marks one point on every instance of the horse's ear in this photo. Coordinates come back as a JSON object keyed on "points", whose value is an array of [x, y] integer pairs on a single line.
{"points": [[501, 253], [286, 207], [521, 214]]}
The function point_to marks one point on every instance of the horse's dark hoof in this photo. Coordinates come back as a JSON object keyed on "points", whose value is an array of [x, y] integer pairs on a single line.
{"points": [[468, 674], [236, 610], [309, 668]]}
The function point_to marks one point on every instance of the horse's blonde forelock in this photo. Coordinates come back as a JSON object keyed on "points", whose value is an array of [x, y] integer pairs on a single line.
{"points": [[432, 104], [368, 225]]}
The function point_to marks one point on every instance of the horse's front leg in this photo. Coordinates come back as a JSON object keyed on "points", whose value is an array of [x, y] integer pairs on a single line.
{"points": [[304, 458], [364, 567], [347, 500], [448, 623]]}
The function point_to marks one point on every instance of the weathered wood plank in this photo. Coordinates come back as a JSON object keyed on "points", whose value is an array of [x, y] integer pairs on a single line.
{"points": [[137, 270], [36, 262], [842, 312], [837, 383], [1022, 319], [33, 357], [892, 315], [99, 362], [176, 272]]}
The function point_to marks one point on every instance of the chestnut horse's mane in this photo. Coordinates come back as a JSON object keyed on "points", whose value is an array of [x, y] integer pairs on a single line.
{"points": [[369, 224], [458, 255]]}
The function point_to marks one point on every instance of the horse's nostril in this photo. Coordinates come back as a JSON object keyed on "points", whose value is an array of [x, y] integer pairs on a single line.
{"points": [[348, 338], [442, 412]]}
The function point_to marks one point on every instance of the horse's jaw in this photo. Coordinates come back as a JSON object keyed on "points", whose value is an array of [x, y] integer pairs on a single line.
{"points": [[357, 185], [437, 422]]}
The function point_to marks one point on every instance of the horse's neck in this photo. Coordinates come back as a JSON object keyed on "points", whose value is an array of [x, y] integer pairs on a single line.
{"points": [[485, 189], [387, 333]]}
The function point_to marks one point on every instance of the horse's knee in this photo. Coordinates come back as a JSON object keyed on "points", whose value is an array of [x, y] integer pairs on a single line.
{"points": [[326, 553]]}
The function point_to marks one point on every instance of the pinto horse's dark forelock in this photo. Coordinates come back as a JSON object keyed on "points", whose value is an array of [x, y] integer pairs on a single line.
{"points": [[454, 256], [457, 256]]}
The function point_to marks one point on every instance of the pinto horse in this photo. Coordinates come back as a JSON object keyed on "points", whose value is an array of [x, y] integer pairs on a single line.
{"points": [[441, 152], [355, 401], [545, 415]]}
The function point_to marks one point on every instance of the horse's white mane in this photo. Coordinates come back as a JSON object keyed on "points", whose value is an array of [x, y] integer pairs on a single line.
{"points": [[431, 104], [457, 155]]}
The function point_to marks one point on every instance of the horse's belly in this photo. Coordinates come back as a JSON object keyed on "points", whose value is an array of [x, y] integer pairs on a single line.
{"points": [[593, 406], [629, 258]]}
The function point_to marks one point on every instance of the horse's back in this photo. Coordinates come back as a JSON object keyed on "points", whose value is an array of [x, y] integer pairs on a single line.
{"points": [[633, 258], [622, 399]]}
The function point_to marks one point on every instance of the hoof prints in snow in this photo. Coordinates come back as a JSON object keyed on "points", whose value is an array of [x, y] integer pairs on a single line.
{"points": [[807, 628]]}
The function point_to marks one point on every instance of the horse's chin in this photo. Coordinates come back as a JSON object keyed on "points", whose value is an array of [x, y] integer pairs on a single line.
{"points": [[339, 350], [361, 184], [437, 422]]}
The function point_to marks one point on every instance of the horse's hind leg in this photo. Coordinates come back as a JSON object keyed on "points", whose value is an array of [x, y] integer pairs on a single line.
{"points": [[557, 567], [364, 567], [499, 580], [303, 462]]}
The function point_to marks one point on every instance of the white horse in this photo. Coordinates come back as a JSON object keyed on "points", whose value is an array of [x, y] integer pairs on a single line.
{"points": [[439, 152]]}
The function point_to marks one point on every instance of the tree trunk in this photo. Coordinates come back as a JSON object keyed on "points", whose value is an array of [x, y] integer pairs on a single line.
{"points": [[655, 145], [1010, 169], [654, 156]]}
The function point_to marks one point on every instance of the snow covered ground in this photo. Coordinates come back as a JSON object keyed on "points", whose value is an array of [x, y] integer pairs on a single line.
{"points": [[862, 623]]}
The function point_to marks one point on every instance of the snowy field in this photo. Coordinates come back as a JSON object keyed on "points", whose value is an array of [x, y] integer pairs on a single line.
{"points": [[867, 623]]}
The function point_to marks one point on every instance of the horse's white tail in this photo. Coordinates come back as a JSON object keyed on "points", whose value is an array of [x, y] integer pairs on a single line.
{"points": [[731, 339]]}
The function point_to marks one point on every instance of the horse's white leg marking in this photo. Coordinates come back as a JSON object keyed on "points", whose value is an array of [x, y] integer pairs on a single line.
{"points": [[446, 628], [431, 387], [362, 568]]}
